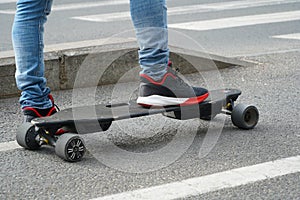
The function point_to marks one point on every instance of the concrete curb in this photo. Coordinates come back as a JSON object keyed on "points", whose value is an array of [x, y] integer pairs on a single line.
{"points": [[114, 59]]}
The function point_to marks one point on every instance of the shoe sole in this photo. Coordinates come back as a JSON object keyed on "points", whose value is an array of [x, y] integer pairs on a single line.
{"points": [[156, 100]]}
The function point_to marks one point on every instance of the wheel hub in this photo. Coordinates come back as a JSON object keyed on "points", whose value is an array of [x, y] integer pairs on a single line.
{"points": [[75, 149]]}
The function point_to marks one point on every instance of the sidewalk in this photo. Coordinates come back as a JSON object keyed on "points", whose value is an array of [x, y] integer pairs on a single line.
{"points": [[113, 59]]}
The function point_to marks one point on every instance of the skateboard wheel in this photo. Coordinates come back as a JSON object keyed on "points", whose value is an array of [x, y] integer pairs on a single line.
{"points": [[245, 116], [27, 136], [70, 147]]}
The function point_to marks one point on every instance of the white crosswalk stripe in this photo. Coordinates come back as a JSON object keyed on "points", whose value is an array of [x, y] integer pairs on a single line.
{"points": [[8, 1], [238, 21], [293, 36], [74, 6], [7, 146], [192, 9], [214, 182]]}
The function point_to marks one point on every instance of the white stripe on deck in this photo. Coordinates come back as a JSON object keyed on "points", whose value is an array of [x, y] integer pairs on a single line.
{"points": [[293, 36], [238, 21], [205, 184], [191, 9]]}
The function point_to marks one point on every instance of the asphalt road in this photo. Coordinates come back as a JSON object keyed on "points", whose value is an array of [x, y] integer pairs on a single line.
{"points": [[272, 85], [68, 22]]}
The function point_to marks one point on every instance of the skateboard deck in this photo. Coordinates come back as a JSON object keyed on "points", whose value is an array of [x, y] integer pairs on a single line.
{"points": [[86, 116], [89, 119]]}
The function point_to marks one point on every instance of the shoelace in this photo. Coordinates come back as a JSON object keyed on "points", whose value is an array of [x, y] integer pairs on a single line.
{"points": [[176, 71]]}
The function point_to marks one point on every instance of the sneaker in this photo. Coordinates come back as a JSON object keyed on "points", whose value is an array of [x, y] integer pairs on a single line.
{"points": [[31, 113], [169, 91]]}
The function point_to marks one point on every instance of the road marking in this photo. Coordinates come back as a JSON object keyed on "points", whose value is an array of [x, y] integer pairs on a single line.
{"points": [[205, 184], [109, 17], [89, 5], [8, 1], [74, 6], [266, 53], [7, 146], [238, 21], [293, 36], [191, 9]]}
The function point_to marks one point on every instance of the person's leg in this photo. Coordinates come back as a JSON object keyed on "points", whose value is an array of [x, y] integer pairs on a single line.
{"points": [[160, 85], [150, 22], [27, 36]]}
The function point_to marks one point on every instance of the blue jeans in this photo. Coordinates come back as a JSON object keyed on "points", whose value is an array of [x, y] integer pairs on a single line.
{"points": [[149, 19]]}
